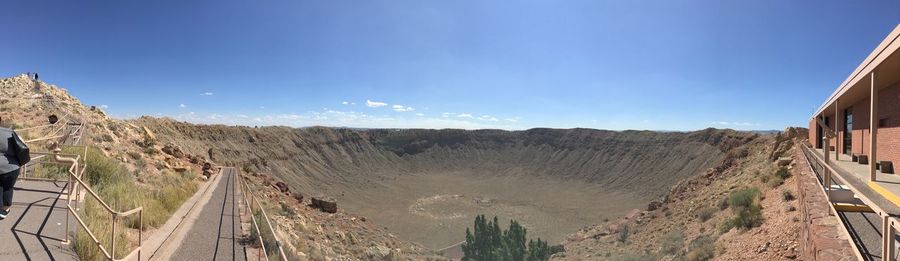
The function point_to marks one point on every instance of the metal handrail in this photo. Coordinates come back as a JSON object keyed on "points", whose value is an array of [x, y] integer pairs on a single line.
{"points": [[115, 215], [889, 223], [252, 199], [75, 182]]}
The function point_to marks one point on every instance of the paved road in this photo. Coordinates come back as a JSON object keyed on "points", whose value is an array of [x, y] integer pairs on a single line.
{"points": [[865, 228], [216, 234], [36, 224]]}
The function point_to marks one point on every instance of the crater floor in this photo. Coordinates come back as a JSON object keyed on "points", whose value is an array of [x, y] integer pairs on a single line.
{"points": [[435, 209]]}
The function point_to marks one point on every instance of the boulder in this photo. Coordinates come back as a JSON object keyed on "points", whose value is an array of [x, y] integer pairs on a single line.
{"points": [[148, 135], [325, 204], [378, 253], [282, 187], [210, 152], [784, 161], [207, 170], [298, 196], [633, 214], [196, 159], [174, 150], [654, 205]]}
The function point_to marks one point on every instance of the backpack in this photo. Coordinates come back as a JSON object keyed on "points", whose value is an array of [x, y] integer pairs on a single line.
{"points": [[23, 154]]}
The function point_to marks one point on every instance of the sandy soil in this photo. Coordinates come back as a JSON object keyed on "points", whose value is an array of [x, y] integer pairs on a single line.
{"points": [[435, 209]]}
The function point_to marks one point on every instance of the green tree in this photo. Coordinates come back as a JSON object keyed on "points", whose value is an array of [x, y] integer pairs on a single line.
{"points": [[489, 243]]}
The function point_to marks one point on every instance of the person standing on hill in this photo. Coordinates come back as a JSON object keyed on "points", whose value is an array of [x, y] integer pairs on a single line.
{"points": [[14, 154]]}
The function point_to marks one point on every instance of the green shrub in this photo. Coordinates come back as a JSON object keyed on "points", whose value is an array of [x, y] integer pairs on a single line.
{"points": [[704, 213], [489, 242], [623, 235], [150, 151], [778, 178], [286, 210], [134, 155], [775, 181], [749, 217], [725, 226], [786, 195], [743, 198], [745, 206], [723, 204], [268, 236], [783, 173], [672, 243], [701, 249]]}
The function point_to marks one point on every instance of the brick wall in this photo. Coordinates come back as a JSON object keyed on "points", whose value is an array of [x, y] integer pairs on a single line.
{"points": [[812, 133], [820, 236], [861, 127], [888, 135]]}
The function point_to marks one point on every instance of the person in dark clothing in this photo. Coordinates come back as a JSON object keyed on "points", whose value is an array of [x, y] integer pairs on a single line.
{"points": [[14, 154]]}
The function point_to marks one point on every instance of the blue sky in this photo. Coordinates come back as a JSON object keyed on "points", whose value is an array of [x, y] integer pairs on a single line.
{"points": [[658, 65]]}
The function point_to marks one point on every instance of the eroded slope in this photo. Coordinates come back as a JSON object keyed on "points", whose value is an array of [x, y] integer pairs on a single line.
{"points": [[426, 185]]}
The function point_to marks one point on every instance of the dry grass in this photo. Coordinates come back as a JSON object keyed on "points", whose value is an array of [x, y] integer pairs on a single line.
{"points": [[118, 188]]}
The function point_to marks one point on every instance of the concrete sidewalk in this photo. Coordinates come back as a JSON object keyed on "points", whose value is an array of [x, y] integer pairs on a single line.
{"points": [[216, 235], [36, 224]]}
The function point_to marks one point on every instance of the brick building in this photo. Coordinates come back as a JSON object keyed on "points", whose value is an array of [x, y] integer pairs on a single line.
{"points": [[844, 122]]}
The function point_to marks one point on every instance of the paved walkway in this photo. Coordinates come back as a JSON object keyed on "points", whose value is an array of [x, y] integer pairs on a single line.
{"points": [[35, 227], [858, 177], [865, 228], [217, 233]]}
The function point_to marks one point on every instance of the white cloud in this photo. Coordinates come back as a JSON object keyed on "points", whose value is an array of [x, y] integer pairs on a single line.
{"points": [[103, 106], [337, 118], [182, 105], [207, 94], [375, 104], [488, 118], [464, 115], [729, 123], [516, 119], [447, 114], [401, 108], [345, 102]]}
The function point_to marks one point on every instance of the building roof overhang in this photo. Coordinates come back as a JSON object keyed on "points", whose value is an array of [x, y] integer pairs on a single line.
{"points": [[857, 85]]}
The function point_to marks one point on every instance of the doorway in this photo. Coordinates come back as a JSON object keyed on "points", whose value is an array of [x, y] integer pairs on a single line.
{"points": [[848, 131]]}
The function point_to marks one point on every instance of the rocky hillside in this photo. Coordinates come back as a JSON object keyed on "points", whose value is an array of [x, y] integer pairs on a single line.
{"points": [[317, 159], [148, 156], [693, 221], [425, 185]]}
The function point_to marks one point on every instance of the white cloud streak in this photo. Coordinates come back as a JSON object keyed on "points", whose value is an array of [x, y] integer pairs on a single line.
{"points": [[729, 123], [401, 108], [375, 104]]}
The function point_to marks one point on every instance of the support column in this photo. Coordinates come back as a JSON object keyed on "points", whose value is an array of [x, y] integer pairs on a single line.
{"points": [[873, 128], [826, 148], [837, 127]]}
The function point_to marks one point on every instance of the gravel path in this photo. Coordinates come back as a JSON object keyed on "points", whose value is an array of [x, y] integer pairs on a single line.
{"points": [[217, 233]]}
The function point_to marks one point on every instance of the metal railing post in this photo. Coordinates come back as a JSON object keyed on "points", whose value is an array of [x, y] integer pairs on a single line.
{"points": [[112, 236], [140, 233], [887, 237]]}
